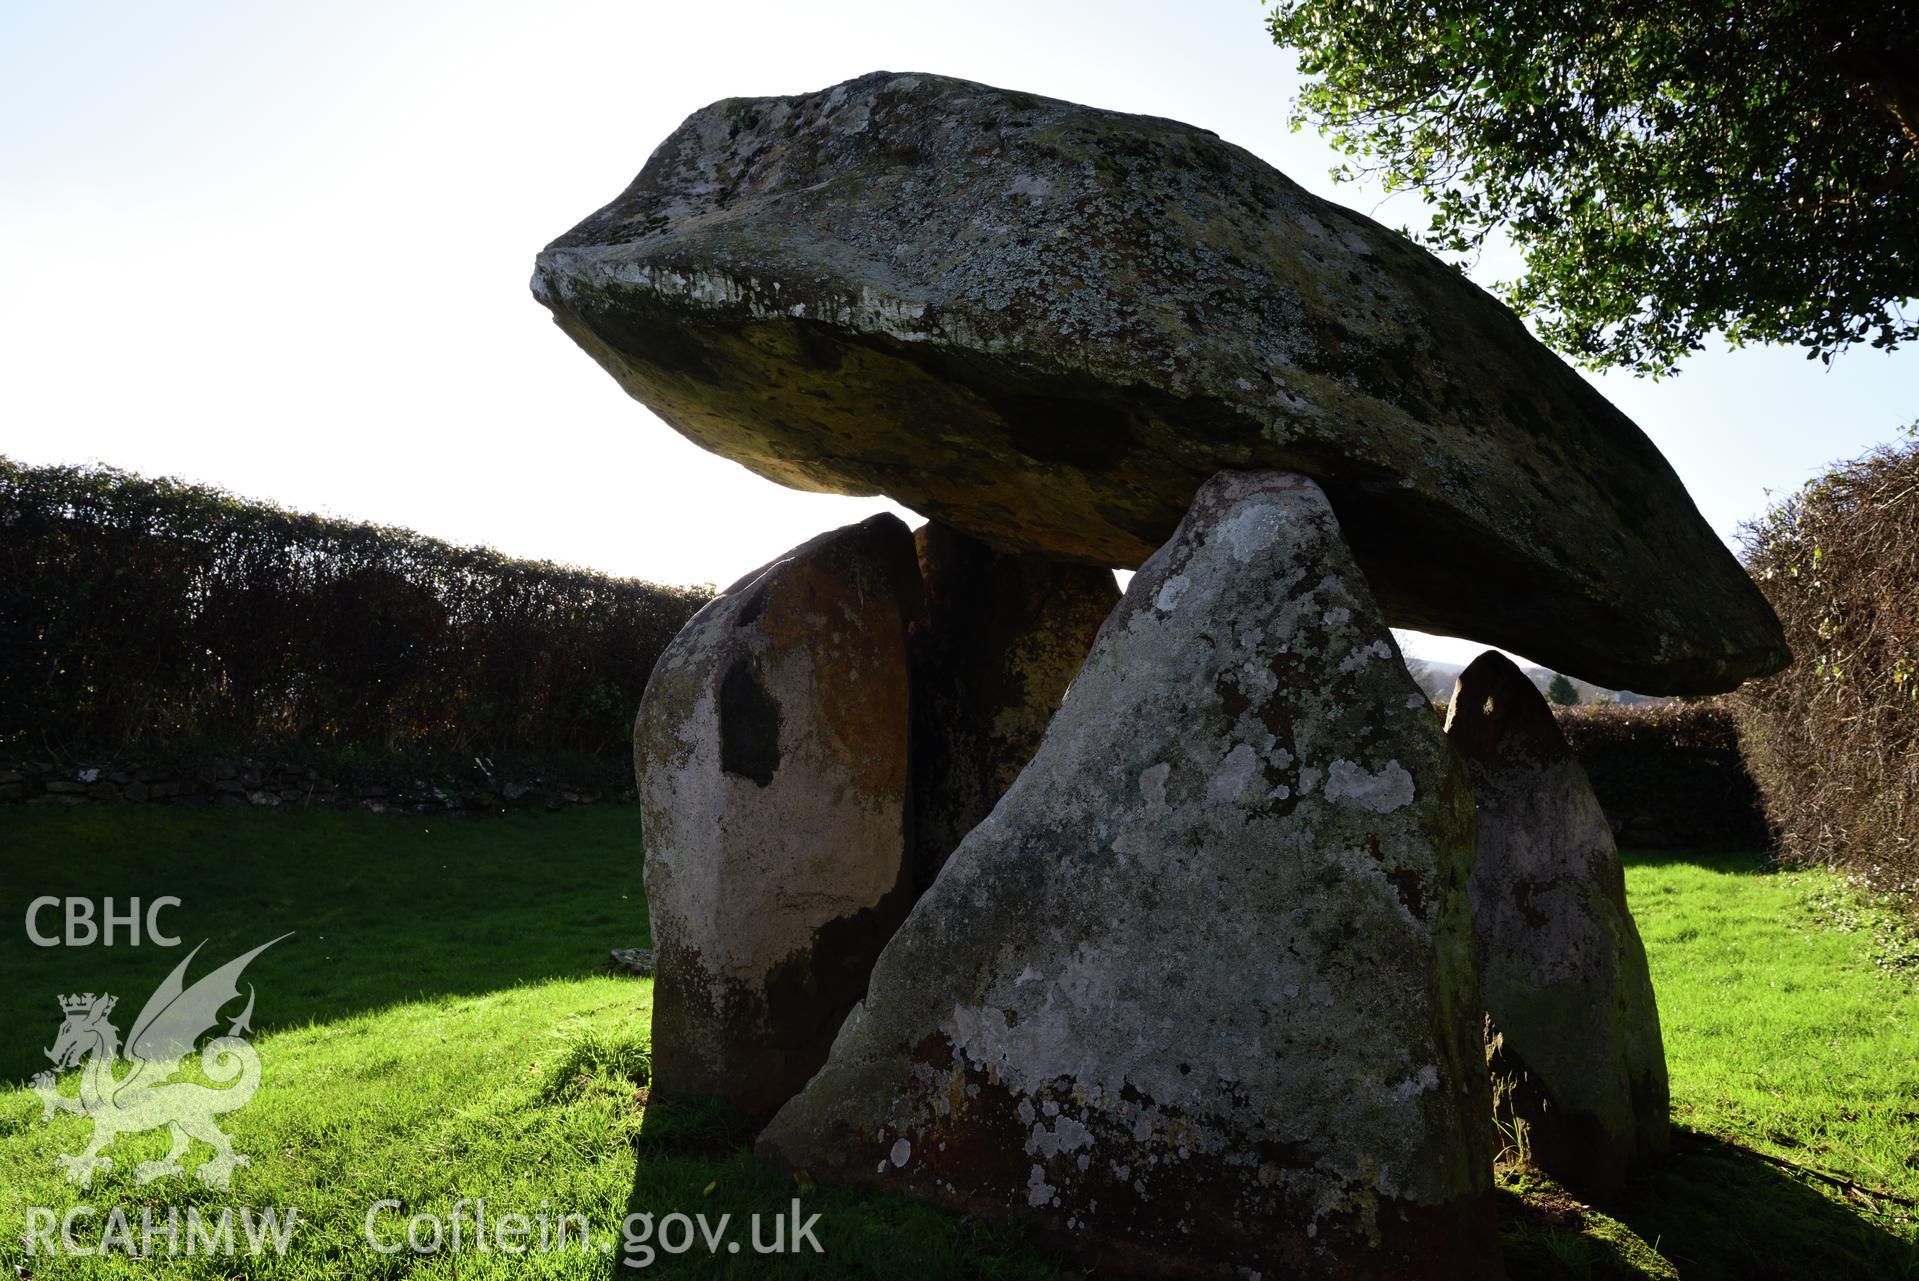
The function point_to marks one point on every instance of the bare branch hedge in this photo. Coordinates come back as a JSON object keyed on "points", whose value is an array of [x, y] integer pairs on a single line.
{"points": [[1833, 741], [1668, 775], [136, 611]]}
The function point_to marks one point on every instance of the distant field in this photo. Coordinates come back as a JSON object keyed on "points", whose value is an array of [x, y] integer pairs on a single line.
{"points": [[438, 1027]]}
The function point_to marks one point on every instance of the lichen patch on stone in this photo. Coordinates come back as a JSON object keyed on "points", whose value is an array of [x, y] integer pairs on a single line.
{"points": [[1382, 792]]}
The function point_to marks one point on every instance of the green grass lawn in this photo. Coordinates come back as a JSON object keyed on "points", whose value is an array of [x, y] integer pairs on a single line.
{"points": [[1788, 1035], [439, 1027]]}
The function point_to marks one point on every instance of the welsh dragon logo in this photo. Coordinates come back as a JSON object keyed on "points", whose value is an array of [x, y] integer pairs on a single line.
{"points": [[146, 1098]]}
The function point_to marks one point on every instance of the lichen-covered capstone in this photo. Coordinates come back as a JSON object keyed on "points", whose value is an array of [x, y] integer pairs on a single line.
{"points": [[1572, 1030], [1003, 636], [1199, 993], [771, 753], [1047, 324]]}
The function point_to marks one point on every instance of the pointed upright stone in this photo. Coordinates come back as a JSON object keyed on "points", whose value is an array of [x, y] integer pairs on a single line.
{"points": [[1573, 1043], [1199, 993], [771, 752], [1003, 637]]}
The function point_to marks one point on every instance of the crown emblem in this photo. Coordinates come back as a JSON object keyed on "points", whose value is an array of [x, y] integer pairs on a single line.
{"points": [[83, 1003]]}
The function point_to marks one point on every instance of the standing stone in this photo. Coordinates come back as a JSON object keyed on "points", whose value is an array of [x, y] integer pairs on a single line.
{"points": [[1572, 1031], [771, 749], [1199, 993], [1003, 638]]}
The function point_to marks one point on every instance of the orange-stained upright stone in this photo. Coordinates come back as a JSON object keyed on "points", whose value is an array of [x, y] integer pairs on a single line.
{"points": [[771, 750]]}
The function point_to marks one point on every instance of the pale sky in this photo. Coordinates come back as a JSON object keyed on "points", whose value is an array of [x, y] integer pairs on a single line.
{"points": [[284, 249]]}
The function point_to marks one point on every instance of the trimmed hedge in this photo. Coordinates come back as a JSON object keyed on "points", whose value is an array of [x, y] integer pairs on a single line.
{"points": [[1669, 775], [1833, 741], [139, 611]]}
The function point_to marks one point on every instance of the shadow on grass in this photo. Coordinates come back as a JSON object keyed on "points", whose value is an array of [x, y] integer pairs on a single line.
{"points": [[1715, 1211], [1721, 1211], [694, 1156], [384, 908]]}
